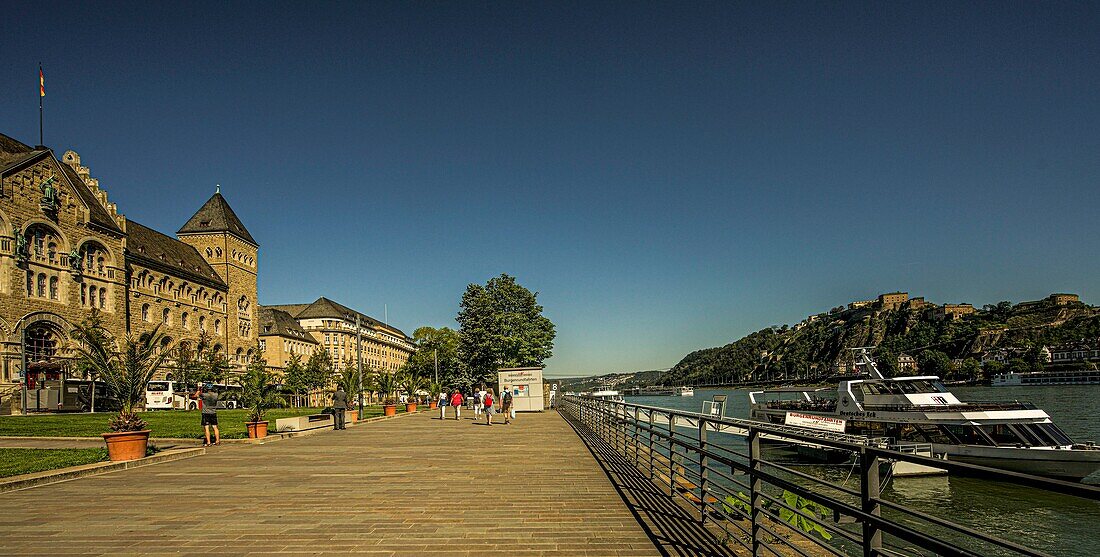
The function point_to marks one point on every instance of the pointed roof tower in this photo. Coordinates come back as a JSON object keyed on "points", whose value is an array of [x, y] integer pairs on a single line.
{"points": [[217, 216]]}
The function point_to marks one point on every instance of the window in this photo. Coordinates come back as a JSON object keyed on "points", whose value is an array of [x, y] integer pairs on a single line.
{"points": [[184, 322], [41, 291], [84, 295], [102, 298], [167, 317], [202, 323], [217, 326], [53, 289], [145, 313]]}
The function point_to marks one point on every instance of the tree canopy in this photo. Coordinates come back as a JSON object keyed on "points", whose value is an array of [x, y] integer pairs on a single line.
{"points": [[501, 325]]}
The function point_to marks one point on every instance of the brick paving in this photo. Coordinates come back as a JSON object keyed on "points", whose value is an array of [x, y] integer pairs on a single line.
{"points": [[410, 486]]}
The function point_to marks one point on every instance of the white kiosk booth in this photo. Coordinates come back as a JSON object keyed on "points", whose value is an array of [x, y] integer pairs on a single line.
{"points": [[525, 384]]}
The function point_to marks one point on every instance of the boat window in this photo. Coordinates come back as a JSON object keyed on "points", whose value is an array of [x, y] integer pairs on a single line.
{"points": [[1052, 431], [939, 386], [967, 435], [1001, 434], [1031, 434]]}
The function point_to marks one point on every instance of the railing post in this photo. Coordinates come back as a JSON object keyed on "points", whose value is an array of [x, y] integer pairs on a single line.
{"points": [[755, 487], [869, 493], [650, 432], [671, 456], [635, 436], [703, 475]]}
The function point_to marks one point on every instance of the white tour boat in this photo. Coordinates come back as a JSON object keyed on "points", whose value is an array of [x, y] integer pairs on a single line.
{"points": [[1014, 436], [685, 391]]}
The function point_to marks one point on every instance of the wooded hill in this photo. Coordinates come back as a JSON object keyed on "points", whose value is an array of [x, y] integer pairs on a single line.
{"points": [[819, 347]]}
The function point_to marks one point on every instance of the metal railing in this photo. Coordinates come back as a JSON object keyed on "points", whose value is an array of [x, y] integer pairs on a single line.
{"points": [[764, 507]]}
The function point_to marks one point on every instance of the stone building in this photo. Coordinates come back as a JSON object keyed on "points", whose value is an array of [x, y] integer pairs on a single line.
{"points": [[65, 249], [282, 338], [952, 311], [892, 300], [332, 325]]}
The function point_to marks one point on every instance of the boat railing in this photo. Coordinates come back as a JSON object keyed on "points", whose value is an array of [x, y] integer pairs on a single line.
{"points": [[815, 405], [761, 506], [964, 407]]}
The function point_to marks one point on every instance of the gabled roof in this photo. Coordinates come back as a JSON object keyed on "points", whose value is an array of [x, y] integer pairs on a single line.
{"points": [[14, 153], [217, 216], [324, 307], [280, 323], [153, 249]]}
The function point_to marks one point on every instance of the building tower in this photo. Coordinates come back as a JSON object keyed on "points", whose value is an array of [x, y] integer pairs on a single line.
{"points": [[221, 238]]}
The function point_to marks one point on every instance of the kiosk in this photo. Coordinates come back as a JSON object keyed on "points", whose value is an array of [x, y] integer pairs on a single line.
{"points": [[525, 383]]}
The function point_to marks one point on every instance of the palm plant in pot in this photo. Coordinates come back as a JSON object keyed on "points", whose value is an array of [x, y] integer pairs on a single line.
{"points": [[127, 373], [259, 393], [434, 389], [411, 382], [349, 380], [386, 383]]}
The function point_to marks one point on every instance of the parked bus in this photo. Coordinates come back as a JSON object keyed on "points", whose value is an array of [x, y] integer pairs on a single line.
{"points": [[163, 395]]}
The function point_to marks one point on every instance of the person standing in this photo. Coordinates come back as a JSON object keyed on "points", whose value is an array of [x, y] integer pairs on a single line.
{"points": [[443, 405], [487, 402], [479, 402], [339, 407], [456, 401], [506, 404], [209, 399]]}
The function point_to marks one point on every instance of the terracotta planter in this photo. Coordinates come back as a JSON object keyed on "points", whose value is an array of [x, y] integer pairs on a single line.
{"points": [[127, 445], [433, 405], [389, 410], [256, 430], [410, 407], [351, 416]]}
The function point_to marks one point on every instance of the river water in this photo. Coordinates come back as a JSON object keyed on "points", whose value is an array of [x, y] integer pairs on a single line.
{"points": [[1058, 524]]}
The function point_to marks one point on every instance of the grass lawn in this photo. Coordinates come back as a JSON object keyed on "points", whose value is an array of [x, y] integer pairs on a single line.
{"points": [[14, 462], [169, 423]]}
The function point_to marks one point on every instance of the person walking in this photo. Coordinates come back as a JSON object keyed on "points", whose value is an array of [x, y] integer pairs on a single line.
{"points": [[209, 399], [479, 402], [487, 402], [443, 405], [339, 407], [506, 405], [456, 401]]}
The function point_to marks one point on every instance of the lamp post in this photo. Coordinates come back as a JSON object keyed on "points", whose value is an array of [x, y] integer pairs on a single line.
{"points": [[359, 361]]}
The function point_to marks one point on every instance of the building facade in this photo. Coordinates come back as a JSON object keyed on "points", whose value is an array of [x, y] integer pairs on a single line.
{"points": [[282, 338], [65, 250], [333, 327]]}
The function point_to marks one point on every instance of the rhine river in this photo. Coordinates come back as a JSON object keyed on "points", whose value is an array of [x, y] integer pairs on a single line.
{"points": [[1057, 524]]}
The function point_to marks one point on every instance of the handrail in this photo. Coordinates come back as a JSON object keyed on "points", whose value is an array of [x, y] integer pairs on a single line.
{"points": [[688, 466]]}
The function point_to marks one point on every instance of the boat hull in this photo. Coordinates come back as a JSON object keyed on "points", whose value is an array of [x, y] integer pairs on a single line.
{"points": [[1062, 464]]}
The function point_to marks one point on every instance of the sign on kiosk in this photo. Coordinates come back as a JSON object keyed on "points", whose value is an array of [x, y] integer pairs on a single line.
{"points": [[525, 384]]}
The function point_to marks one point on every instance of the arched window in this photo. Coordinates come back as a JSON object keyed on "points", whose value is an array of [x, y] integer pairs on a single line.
{"points": [[54, 295], [102, 298], [41, 290], [202, 323], [167, 317], [145, 312], [83, 295], [51, 252], [91, 296], [183, 321], [217, 326]]}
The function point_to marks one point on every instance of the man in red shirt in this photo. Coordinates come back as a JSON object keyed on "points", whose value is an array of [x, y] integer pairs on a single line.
{"points": [[456, 400]]}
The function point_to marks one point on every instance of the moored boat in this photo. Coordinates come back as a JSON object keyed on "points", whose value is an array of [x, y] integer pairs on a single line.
{"points": [[1013, 436]]}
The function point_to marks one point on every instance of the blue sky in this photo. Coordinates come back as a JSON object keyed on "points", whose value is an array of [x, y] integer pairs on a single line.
{"points": [[667, 176]]}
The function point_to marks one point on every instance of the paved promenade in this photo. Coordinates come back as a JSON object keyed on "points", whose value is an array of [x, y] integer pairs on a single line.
{"points": [[408, 486]]}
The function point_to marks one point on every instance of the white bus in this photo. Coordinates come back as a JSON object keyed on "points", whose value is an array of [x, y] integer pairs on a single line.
{"points": [[161, 395]]}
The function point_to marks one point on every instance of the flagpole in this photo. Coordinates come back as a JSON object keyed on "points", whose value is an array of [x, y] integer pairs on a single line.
{"points": [[40, 97]]}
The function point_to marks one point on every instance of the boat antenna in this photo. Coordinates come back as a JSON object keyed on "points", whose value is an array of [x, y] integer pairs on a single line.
{"points": [[862, 357]]}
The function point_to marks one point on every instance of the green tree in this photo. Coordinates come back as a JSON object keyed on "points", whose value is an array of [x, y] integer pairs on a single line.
{"points": [[91, 331], [294, 377], [432, 343], [501, 325], [970, 369], [258, 390], [933, 362], [319, 372]]}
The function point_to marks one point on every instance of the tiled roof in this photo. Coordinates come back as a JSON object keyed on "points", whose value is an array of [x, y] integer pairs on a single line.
{"points": [[217, 216], [151, 248], [278, 322], [324, 307]]}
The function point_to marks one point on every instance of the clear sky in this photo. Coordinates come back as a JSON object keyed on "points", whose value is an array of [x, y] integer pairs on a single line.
{"points": [[667, 176]]}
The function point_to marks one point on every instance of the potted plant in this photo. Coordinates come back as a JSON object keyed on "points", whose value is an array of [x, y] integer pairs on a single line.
{"points": [[411, 382], [127, 374], [259, 393], [385, 382]]}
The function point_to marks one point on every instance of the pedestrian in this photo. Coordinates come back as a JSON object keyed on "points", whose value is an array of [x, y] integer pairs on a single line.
{"points": [[443, 405], [209, 399], [339, 407], [479, 402], [456, 401], [488, 403], [506, 407]]}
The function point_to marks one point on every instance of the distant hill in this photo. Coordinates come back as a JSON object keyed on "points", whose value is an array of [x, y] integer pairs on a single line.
{"points": [[947, 340], [615, 380]]}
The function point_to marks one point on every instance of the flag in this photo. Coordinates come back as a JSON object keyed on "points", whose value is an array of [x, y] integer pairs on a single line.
{"points": [[41, 83]]}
